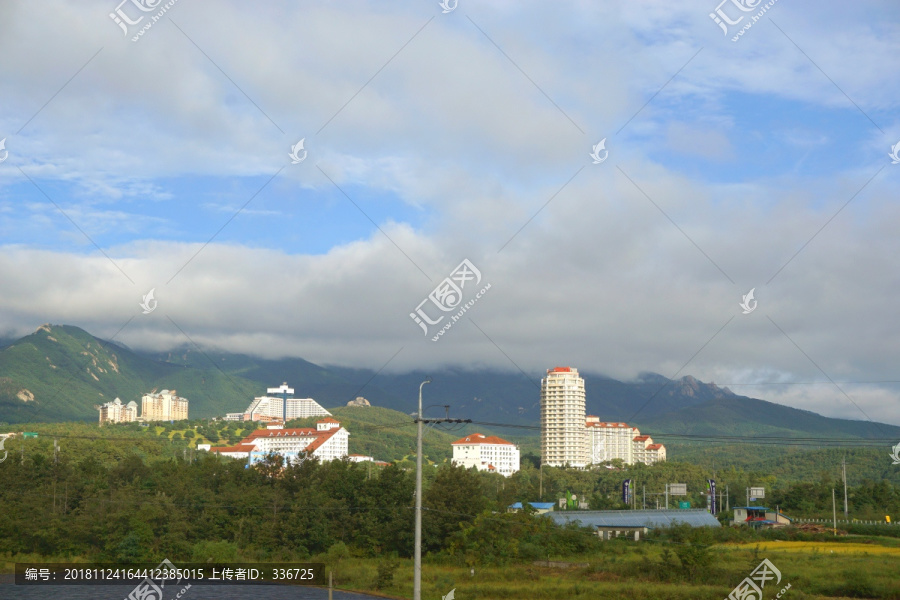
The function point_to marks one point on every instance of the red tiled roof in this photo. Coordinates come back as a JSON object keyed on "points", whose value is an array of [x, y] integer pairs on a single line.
{"points": [[607, 424], [327, 420], [478, 438], [560, 370], [654, 446], [241, 447], [321, 439], [642, 438], [293, 431]]}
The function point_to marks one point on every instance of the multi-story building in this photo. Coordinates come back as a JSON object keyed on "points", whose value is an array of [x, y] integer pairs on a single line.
{"points": [[608, 441], [563, 439], [656, 453], [486, 453], [281, 407], [116, 412], [328, 441], [164, 406]]}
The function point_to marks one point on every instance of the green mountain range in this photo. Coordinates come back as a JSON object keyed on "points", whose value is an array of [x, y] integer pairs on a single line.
{"points": [[60, 373]]}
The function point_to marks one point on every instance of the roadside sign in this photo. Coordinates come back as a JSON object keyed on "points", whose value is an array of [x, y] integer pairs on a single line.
{"points": [[758, 492], [678, 489], [684, 505], [29, 434]]}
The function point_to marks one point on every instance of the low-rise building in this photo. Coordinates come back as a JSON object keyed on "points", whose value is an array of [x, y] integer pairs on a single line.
{"points": [[486, 453], [539, 507], [760, 516], [637, 523]]}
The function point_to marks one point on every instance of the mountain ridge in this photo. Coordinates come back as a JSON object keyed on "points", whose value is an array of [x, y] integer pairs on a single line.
{"points": [[63, 371]]}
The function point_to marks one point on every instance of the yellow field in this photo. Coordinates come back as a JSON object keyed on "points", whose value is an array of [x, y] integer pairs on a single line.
{"points": [[822, 547]]}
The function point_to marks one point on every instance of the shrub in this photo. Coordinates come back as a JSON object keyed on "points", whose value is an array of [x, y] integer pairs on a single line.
{"points": [[385, 574]]}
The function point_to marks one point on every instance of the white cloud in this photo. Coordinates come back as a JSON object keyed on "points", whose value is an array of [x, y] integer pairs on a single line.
{"points": [[595, 274]]}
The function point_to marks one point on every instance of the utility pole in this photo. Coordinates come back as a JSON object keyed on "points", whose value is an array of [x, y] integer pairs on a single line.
{"points": [[541, 493], [667, 496], [834, 510], [417, 565], [644, 498], [727, 498], [844, 471]]}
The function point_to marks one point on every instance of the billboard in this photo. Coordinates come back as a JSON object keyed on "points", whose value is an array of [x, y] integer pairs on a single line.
{"points": [[626, 491], [711, 491], [758, 492], [678, 489]]}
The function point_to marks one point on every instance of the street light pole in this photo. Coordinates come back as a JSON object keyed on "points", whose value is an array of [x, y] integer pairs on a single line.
{"points": [[417, 567]]}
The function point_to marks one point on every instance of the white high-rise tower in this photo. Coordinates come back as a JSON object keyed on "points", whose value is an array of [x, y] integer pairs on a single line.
{"points": [[563, 439]]}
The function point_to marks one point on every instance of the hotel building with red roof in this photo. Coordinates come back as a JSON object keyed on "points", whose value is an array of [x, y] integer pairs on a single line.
{"points": [[328, 441]]}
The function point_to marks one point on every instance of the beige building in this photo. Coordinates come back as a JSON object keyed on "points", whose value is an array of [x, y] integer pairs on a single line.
{"points": [[164, 406], [563, 439], [486, 453], [116, 412], [608, 441]]}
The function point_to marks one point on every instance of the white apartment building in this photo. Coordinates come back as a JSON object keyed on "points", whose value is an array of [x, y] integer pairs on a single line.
{"points": [[116, 412], [486, 453], [608, 441], [164, 406], [563, 439], [328, 441], [269, 407]]}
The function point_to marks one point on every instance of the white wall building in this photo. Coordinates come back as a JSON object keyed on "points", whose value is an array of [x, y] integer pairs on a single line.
{"points": [[563, 439], [272, 406], [164, 406], [328, 441], [608, 441], [486, 453], [116, 412]]}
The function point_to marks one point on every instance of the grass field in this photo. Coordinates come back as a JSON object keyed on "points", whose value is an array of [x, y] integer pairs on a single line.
{"points": [[815, 570], [869, 568]]}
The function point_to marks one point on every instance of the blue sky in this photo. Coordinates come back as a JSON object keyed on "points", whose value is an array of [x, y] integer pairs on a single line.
{"points": [[433, 138]]}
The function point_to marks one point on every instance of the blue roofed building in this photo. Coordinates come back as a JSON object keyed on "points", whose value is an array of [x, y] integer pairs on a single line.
{"points": [[540, 507], [613, 523]]}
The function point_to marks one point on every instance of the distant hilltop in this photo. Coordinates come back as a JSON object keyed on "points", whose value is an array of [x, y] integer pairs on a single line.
{"points": [[360, 401]]}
